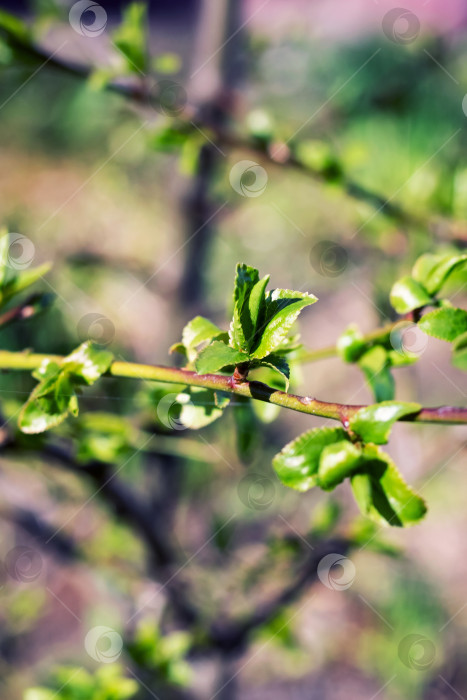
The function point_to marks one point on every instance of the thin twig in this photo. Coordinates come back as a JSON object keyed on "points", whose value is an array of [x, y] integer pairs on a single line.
{"points": [[253, 390]]}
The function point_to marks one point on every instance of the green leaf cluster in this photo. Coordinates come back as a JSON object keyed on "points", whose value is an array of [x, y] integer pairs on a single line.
{"points": [[56, 395], [131, 39], [429, 275], [164, 654], [325, 457], [258, 338], [258, 334], [375, 357], [450, 324], [14, 280], [107, 683]]}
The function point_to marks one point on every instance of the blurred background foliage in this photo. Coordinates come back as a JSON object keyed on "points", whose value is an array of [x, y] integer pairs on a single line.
{"points": [[113, 191]]}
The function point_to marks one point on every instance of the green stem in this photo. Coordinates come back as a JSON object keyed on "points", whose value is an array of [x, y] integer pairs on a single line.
{"points": [[252, 390], [369, 339]]}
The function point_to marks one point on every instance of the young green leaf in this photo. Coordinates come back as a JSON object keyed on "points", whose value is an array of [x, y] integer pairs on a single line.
{"points": [[432, 271], [246, 278], [337, 462], [200, 407], [374, 423], [48, 406], [407, 294], [459, 352], [298, 462], [446, 323], [54, 398], [198, 330], [14, 27], [351, 345], [23, 280], [381, 492], [282, 308], [12, 280], [253, 312], [130, 37], [375, 365], [87, 362], [278, 364], [216, 356], [246, 427]]}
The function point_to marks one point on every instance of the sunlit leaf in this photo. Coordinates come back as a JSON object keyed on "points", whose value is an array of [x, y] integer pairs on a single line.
{"points": [[407, 294], [297, 463], [198, 330], [432, 271], [337, 462], [459, 352], [381, 492], [216, 356], [375, 365], [130, 37], [200, 407], [88, 362], [374, 423], [351, 345], [446, 323], [245, 279], [283, 308]]}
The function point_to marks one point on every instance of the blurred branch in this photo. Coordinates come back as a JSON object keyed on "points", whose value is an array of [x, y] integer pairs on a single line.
{"points": [[193, 117], [369, 339], [148, 520], [46, 535], [200, 208], [28, 308], [230, 636]]}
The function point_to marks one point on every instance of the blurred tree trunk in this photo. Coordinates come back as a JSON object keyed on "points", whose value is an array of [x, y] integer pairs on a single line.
{"points": [[217, 72]]}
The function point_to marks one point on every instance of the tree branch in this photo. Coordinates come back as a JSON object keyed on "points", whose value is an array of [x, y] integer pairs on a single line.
{"points": [[192, 117], [231, 636], [253, 390]]}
